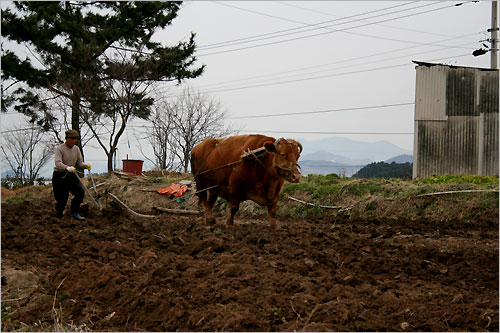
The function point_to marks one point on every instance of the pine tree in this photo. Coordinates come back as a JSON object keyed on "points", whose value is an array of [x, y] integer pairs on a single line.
{"points": [[72, 43]]}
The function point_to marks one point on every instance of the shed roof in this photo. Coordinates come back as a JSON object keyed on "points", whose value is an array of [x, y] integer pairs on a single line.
{"points": [[430, 64]]}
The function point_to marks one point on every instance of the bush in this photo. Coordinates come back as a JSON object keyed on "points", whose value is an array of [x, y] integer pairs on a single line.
{"points": [[13, 183]]}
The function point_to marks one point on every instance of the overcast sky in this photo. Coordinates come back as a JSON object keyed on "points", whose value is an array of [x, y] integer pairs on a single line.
{"points": [[282, 57], [352, 60]]}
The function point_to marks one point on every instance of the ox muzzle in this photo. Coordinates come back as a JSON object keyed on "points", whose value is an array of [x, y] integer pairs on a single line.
{"points": [[290, 174]]}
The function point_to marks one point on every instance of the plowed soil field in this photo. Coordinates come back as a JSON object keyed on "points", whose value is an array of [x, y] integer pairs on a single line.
{"points": [[115, 272]]}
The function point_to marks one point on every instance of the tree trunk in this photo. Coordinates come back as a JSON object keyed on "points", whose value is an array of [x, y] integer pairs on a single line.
{"points": [[75, 124], [75, 116], [186, 161], [110, 161]]}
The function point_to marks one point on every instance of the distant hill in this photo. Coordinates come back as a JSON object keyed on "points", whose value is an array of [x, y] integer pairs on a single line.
{"points": [[400, 159], [385, 170]]}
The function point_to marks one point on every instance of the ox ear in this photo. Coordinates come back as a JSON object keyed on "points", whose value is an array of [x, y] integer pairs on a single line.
{"points": [[269, 145]]}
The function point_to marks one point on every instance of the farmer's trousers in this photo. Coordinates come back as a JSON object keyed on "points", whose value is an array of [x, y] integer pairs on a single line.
{"points": [[62, 184]]}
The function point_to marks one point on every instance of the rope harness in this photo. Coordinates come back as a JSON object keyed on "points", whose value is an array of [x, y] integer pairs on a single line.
{"points": [[249, 154]]}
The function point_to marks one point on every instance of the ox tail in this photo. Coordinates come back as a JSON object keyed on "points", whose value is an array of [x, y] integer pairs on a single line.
{"points": [[195, 168]]}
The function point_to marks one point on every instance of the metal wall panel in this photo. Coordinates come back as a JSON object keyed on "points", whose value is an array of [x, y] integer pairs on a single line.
{"points": [[488, 108], [488, 92], [457, 135], [430, 104], [490, 145], [461, 92]]}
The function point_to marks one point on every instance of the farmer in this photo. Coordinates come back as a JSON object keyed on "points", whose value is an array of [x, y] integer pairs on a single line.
{"points": [[65, 179]]}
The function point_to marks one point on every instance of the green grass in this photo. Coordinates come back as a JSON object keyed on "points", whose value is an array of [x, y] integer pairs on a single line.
{"points": [[417, 191], [360, 189], [331, 190], [20, 198], [459, 179], [321, 187], [167, 180]]}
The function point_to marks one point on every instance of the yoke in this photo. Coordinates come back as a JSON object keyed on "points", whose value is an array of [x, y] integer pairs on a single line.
{"points": [[249, 154]]}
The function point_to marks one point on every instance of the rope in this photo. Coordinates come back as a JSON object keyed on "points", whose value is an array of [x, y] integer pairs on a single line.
{"points": [[219, 167], [253, 154], [320, 206], [451, 192], [76, 171]]}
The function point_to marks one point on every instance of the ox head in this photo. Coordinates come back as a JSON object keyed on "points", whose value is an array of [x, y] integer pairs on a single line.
{"points": [[286, 154]]}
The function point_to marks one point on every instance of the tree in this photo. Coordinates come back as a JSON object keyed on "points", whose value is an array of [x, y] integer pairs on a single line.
{"points": [[183, 123], [127, 89], [161, 138], [72, 43], [385, 170], [26, 152]]}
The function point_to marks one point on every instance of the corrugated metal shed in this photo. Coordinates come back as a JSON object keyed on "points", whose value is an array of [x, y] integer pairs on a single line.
{"points": [[456, 120]]}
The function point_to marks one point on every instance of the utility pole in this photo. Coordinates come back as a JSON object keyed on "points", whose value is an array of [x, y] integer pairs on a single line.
{"points": [[494, 35]]}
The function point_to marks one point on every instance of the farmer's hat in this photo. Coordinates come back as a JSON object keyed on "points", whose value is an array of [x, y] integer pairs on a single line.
{"points": [[72, 134]]}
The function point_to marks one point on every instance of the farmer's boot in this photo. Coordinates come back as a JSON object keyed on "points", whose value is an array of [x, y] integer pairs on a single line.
{"points": [[75, 211]]}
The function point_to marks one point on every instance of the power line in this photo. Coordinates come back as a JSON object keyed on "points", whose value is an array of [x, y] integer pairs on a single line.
{"points": [[323, 111], [317, 26], [283, 3], [328, 165], [287, 32], [311, 132], [324, 76], [309, 78], [345, 30], [306, 112], [329, 133], [20, 130], [327, 64]]}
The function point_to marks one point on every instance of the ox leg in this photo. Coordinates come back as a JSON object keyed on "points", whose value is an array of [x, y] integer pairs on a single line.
{"points": [[209, 212], [234, 206], [208, 201], [271, 210]]}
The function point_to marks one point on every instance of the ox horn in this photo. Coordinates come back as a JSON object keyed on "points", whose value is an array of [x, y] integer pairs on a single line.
{"points": [[300, 146], [277, 142]]}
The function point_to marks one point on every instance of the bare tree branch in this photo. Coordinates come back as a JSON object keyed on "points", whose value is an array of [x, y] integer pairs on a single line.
{"points": [[27, 153], [183, 123]]}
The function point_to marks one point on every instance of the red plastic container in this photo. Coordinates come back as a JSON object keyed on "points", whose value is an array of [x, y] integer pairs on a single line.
{"points": [[133, 166]]}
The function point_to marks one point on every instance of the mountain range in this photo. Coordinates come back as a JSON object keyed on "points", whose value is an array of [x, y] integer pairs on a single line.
{"points": [[346, 157]]}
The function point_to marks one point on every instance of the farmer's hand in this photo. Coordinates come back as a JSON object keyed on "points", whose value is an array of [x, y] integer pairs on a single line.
{"points": [[87, 166], [71, 169]]}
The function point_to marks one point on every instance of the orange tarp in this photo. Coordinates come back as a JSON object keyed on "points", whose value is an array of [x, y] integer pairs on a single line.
{"points": [[175, 189]]}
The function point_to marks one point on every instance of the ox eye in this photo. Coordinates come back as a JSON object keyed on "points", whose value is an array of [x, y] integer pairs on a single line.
{"points": [[283, 155]]}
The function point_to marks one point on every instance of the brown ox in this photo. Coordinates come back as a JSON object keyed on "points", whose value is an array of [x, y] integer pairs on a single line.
{"points": [[220, 170]]}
